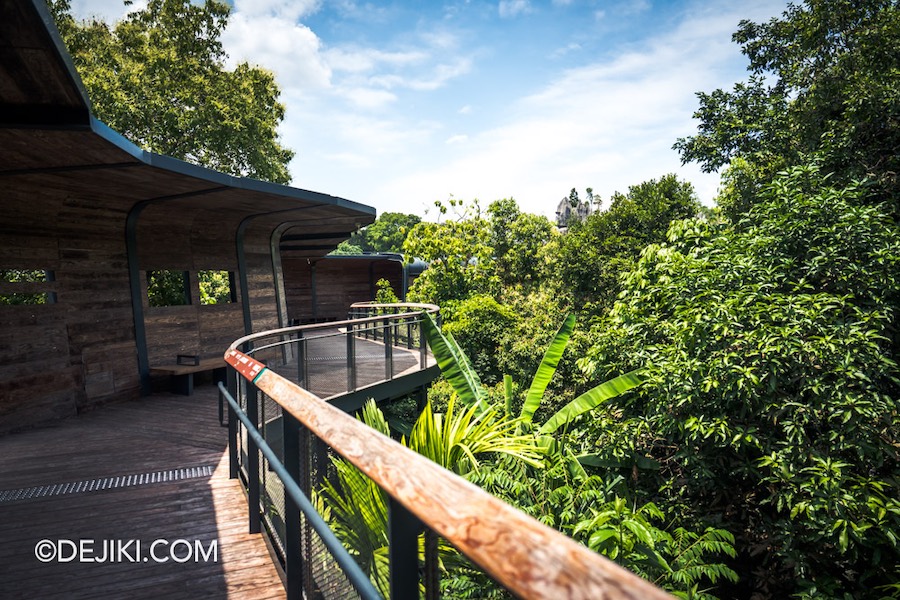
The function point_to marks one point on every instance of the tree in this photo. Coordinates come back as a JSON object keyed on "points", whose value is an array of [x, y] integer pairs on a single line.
{"points": [[459, 256], [772, 404], [825, 78], [593, 255], [518, 240], [158, 78], [386, 234]]}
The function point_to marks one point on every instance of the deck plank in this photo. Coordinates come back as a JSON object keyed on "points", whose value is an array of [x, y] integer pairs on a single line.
{"points": [[156, 433]]}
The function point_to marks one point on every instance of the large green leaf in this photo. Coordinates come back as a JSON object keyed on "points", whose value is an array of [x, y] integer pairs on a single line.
{"points": [[454, 364], [545, 371], [592, 399]]}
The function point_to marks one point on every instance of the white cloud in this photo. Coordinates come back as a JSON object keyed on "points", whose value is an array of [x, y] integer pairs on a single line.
{"points": [[288, 10], [560, 52], [513, 8], [465, 110], [607, 125], [367, 98], [456, 139], [105, 10], [436, 78], [291, 50], [360, 60]]}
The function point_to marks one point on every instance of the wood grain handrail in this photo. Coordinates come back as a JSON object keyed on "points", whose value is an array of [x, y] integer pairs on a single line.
{"points": [[527, 557]]}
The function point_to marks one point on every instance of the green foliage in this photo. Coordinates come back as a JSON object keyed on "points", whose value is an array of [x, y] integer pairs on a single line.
{"points": [[356, 510], [591, 399], [518, 240], [386, 234], [588, 262], [158, 78], [478, 323], [454, 364], [384, 293], [22, 276], [346, 248], [459, 256], [772, 402], [545, 370], [824, 78], [215, 287], [167, 288]]}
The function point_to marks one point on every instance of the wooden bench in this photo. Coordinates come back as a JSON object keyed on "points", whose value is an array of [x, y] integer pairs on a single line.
{"points": [[183, 375]]}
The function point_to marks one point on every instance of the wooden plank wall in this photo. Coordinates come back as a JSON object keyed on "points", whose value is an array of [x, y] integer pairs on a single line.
{"points": [[339, 283], [200, 240], [58, 359]]}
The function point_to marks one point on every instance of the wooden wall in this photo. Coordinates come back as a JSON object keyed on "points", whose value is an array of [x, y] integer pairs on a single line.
{"points": [[339, 282], [58, 359], [169, 237]]}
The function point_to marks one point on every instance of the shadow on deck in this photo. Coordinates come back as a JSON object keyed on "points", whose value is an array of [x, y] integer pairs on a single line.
{"points": [[175, 450]]}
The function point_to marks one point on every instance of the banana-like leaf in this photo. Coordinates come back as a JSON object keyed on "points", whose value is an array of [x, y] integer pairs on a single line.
{"points": [[592, 399], [454, 364], [547, 368]]}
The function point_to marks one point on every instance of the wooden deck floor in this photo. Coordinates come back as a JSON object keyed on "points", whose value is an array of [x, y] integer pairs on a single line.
{"points": [[162, 435]]}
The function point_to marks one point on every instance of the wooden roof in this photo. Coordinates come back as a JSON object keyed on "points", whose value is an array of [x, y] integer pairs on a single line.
{"points": [[50, 139]]}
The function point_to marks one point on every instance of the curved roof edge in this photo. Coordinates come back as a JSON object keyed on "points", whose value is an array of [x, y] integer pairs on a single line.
{"points": [[78, 104], [175, 165]]}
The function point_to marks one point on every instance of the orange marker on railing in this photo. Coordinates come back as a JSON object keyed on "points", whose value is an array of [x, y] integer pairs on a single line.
{"points": [[249, 368]]}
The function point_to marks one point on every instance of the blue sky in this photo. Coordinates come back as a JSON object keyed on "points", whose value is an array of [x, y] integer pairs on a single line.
{"points": [[400, 104]]}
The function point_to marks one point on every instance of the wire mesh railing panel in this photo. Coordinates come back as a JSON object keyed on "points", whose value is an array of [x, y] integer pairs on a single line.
{"points": [[323, 577], [326, 359], [272, 502]]}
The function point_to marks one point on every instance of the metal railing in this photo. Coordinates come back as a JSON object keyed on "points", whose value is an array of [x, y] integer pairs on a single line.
{"points": [[292, 449]]}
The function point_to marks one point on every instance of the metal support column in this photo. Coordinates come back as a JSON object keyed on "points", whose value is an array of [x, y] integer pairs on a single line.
{"points": [[253, 459], [293, 560], [388, 351], [351, 361], [403, 554]]}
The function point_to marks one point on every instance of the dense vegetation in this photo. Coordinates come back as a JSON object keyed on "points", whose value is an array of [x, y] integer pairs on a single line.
{"points": [[767, 328]]}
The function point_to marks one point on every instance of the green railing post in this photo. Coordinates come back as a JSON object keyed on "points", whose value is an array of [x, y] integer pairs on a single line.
{"points": [[253, 459], [403, 553], [432, 574], [388, 350], [351, 361], [302, 363], [233, 465], [293, 559], [423, 344]]}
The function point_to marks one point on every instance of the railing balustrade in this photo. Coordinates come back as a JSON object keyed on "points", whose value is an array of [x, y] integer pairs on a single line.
{"points": [[283, 437]]}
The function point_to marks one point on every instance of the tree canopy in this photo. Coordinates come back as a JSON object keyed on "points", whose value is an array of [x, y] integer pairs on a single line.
{"points": [[825, 78], [386, 234], [158, 77]]}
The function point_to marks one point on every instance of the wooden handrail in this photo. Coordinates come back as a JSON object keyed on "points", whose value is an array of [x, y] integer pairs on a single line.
{"points": [[524, 555]]}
